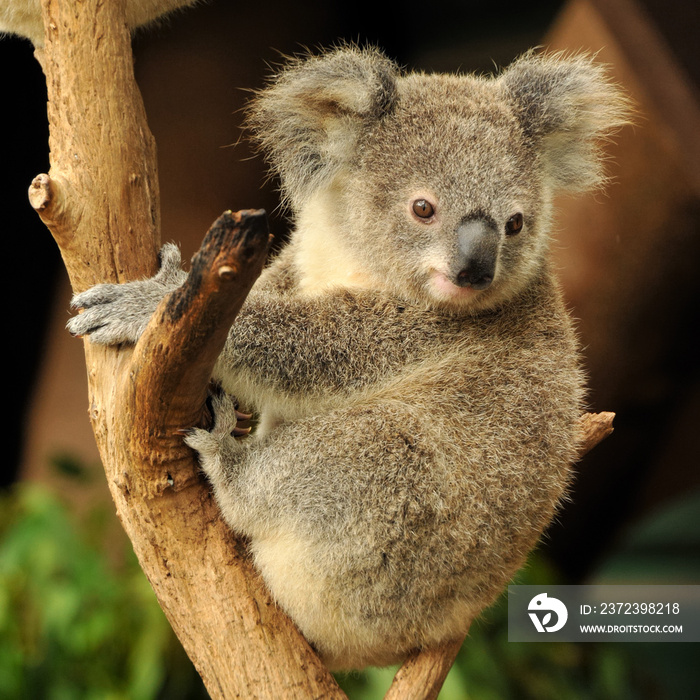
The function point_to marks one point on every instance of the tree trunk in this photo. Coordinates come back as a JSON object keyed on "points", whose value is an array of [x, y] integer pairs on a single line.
{"points": [[100, 202]]}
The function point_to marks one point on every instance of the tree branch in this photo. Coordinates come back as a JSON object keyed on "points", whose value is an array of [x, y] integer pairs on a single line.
{"points": [[240, 642], [174, 359]]}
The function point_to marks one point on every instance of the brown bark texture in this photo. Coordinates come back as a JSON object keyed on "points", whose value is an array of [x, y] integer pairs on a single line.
{"points": [[100, 202]]}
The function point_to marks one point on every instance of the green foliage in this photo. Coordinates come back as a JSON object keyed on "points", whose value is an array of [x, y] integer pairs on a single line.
{"points": [[72, 625], [662, 548]]}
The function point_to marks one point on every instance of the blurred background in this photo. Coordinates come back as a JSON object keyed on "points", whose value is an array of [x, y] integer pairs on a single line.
{"points": [[78, 619]]}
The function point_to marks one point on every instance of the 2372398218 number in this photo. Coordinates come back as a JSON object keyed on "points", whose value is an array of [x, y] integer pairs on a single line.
{"points": [[639, 608]]}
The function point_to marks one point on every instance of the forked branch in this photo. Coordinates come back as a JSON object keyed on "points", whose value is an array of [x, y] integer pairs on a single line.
{"points": [[241, 643]]}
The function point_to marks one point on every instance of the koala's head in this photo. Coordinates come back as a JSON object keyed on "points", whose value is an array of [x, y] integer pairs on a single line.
{"points": [[438, 187]]}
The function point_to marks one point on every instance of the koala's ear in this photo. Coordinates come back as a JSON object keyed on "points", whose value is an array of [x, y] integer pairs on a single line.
{"points": [[567, 105], [308, 120]]}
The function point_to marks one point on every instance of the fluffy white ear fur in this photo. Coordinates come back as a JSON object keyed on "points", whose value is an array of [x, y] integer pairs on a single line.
{"points": [[566, 104], [308, 120]]}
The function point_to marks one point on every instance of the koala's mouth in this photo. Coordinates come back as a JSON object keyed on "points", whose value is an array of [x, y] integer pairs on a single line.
{"points": [[446, 290]]}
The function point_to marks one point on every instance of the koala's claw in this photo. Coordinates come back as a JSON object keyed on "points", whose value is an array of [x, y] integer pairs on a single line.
{"points": [[105, 324], [226, 416], [81, 333]]}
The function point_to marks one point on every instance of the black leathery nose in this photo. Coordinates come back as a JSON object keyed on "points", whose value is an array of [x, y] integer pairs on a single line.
{"points": [[476, 254], [475, 278]]}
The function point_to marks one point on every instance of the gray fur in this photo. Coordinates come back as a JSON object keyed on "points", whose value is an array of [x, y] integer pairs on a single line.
{"points": [[120, 313], [416, 435]]}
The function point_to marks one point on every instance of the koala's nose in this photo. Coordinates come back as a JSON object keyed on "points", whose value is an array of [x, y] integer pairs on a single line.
{"points": [[477, 254], [475, 277]]}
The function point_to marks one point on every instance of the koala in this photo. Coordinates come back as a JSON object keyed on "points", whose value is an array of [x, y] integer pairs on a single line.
{"points": [[23, 17], [414, 368]]}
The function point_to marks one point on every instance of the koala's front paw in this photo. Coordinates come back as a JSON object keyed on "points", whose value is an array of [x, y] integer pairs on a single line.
{"points": [[112, 313], [119, 313]]}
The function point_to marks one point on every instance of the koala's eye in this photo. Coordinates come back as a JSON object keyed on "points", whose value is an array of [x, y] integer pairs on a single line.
{"points": [[423, 209], [514, 224]]}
